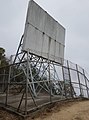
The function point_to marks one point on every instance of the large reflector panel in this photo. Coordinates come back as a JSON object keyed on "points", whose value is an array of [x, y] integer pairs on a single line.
{"points": [[43, 36]]}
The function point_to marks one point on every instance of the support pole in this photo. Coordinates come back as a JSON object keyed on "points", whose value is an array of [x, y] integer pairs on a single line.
{"points": [[70, 79], [86, 83], [50, 82], [64, 83], [26, 88], [79, 81], [32, 82], [18, 49]]}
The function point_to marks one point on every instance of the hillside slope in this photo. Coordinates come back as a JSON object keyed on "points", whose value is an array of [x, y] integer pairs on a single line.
{"points": [[73, 110], [68, 111]]}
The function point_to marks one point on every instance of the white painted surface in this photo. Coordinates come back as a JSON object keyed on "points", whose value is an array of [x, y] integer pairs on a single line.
{"points": [[43, 35]]}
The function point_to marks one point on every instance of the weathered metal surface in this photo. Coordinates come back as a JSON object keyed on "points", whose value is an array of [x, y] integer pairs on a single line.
{"points": [[43, 35]]}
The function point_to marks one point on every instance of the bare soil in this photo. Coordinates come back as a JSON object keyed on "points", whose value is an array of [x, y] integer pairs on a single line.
{"points": [[75, 110]]}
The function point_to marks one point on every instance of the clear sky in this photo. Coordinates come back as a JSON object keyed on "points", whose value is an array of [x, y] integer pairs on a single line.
{"points": [[72, 14]]}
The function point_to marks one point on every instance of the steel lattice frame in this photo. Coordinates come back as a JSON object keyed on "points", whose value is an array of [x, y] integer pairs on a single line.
{"points": [[39, 82]]}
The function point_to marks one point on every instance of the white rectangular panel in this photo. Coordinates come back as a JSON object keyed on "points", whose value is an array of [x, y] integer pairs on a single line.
{"points": [[38, 42], [43, 36], [29, 39], [52, 50], [57, 52], [36, 16], [45, 46], [60, 36], [50, 26], [61, 51]]}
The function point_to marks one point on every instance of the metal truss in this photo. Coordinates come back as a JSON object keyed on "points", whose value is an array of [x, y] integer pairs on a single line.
{"points": [[33, 81], [39, 74]]}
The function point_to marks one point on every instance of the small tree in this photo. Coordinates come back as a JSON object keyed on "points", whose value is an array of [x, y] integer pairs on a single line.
{"points": [[3, 59]]}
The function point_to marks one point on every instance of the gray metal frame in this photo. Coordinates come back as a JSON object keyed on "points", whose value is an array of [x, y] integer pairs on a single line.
{"points": [[41, 82]]}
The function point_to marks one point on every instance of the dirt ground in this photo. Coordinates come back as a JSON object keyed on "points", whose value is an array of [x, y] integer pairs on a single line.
{"points": [[78, 110], [68, 111]]}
